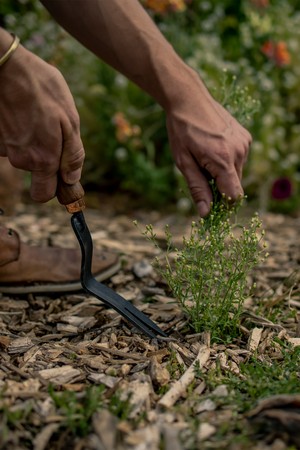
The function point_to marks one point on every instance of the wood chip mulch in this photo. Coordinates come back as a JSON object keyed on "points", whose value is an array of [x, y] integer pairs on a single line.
{"points": [[68, 343]]}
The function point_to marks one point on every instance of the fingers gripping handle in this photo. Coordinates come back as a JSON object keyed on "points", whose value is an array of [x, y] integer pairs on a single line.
{"points": [[71, 195]]}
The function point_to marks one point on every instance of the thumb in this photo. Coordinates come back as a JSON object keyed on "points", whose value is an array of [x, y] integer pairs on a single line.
{"points": [[229, 184], [198, 186], [72, 159]]}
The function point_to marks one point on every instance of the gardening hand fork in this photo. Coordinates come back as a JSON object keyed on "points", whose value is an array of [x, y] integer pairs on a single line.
{"points": [[72, 196]]}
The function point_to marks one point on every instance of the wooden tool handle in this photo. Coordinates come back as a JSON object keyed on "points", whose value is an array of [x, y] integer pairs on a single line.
{"points": [[70, 195]]}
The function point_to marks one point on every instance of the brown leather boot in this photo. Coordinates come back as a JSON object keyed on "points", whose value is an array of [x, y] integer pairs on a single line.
{"points": [[25, 268]]}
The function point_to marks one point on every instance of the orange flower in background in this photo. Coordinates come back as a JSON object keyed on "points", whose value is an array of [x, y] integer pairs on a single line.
{"points": [[282, 55], [260, 3], [158, 6], [277, 52], [162, 6], [177, 5], [268, 49], [124, 129]]}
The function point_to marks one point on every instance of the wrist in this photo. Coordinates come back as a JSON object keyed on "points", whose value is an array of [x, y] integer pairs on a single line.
{"points": [[5, 40], [182, 86], [8, 45]]}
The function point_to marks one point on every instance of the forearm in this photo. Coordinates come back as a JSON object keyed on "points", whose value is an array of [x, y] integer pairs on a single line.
{"points": [[122, 34]]}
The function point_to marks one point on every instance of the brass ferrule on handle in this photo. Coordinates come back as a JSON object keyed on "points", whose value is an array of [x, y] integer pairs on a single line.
{"points": [[71, 196]]}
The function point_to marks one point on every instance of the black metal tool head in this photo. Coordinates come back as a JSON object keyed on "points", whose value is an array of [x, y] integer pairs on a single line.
{"points": [[101, 291]]}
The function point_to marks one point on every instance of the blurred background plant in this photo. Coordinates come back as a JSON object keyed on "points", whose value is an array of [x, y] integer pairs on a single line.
{"points": [[246, 52]]}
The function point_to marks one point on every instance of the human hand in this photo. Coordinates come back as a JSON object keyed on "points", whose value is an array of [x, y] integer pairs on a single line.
{"points": [[39, 123], [207, 142]]}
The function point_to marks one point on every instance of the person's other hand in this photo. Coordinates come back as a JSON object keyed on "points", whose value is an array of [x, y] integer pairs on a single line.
{"points": [[39, 123], [207, 142]]}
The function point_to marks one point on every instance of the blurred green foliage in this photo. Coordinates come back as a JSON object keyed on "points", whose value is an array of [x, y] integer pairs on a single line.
{"points": [[254, 42]]}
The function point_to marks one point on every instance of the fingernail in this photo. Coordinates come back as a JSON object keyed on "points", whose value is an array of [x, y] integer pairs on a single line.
{"points": [[203, 208]]}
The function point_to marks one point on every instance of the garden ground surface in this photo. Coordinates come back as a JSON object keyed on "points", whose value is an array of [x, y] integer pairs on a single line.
{"points": [[75, 375]]}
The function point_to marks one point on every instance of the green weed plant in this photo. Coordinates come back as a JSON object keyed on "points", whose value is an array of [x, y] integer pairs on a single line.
{"points": [[78, 412], [208, 276], [260, 377], [79, 408]]}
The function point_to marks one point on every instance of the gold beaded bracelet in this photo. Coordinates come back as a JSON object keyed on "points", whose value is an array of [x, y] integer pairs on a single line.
{"points": [[11, 50]]}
